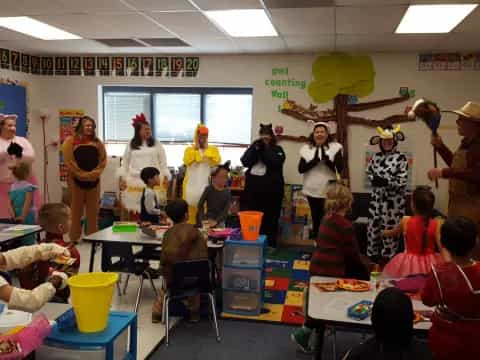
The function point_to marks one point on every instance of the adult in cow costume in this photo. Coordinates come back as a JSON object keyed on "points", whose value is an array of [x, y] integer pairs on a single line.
{"points": [[388, 174]]}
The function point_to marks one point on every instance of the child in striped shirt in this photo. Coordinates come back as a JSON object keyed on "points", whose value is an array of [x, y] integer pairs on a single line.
{"points": [[336, 254]]}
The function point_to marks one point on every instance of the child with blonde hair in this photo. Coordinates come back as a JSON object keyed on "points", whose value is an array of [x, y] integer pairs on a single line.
{"points": [[336, 254], [21, 207]]}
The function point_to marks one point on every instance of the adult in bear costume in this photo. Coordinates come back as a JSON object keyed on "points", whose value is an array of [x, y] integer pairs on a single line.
{"points": [[85, 158]]}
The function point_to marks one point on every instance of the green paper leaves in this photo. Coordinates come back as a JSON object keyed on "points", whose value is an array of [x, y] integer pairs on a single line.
{"points": [[341, 74]]}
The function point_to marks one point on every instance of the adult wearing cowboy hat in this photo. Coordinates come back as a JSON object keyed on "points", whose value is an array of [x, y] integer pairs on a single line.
{"points": [[463, 171], [321, 160]]}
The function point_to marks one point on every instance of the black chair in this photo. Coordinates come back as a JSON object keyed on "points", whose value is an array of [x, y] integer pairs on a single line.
{"points": [[126, 264], [190, 278]]}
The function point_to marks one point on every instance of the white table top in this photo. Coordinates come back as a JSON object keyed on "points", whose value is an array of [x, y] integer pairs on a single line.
{"points": [[135, 238], [14, 235], [332, 306], [53, 310]]}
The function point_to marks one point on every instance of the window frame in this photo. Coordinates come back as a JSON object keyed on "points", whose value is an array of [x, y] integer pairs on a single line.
{"points": [[153, 90]]}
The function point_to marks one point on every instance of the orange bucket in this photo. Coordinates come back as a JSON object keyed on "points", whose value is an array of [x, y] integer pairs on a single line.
{"points": [[250, 222]]}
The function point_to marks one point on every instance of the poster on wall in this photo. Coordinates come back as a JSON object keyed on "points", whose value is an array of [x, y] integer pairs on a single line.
{"points": [[14, 101], [368, 156], [35, 66], [118, 65], [61, 65], [147, 66], [425, 62], [89, 66], [454, 61], [103, 65], [16, 60], [4, 59], [25, 63], [133, 66], [468, 61], [476, 62], [68, 120]]}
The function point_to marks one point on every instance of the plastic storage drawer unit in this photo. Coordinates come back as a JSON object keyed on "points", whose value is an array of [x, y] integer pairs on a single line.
{"points": [[244, 253], [242, 279], [242, 303]]}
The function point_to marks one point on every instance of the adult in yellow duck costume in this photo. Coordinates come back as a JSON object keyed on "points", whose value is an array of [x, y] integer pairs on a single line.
{"points": [[199, 159]]}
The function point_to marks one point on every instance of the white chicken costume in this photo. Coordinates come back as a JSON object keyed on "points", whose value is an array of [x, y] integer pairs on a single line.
{"points": [[199, 163], [133, 161]]}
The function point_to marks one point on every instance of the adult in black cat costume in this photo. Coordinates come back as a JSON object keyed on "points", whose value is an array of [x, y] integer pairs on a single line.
{"points": [[264, 180]]}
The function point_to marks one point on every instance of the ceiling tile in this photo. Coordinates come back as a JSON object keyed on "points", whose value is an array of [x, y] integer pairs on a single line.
{"points": [[310, 43], [162, 5], [228, 4], [387, 43], [458, 42], [120, 43], [371, 2], [374, 20], [265, 44], [186, 25], [9, 35], [290, 4], [303, 21], [214, 45], [471, 24], [57, 7], [106, 25]]}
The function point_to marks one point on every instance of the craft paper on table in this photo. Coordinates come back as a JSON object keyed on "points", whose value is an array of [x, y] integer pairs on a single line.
{"points": [[468, 61]]}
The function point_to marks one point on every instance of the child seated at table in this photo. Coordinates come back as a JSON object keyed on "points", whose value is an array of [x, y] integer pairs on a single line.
{"points": [[55, 219], [392, 322], [216, 199], [150, 210], [454, 288], [181, 242], [336, 254], [421, 233], [19, 258]]}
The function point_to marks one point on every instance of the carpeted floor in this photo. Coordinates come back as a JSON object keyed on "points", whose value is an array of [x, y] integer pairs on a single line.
{"points": [[287, 275], [242, 340]]}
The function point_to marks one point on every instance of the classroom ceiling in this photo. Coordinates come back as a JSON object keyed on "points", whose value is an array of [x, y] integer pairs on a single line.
{"points": [[180, 26]]}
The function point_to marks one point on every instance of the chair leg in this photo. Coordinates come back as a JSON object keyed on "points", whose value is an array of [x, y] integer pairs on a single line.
{"points": [[119, 291], [334, 338], [152, 283], [126, 284], [164, 308], [214, 314], [139, 293], [167, 322]]}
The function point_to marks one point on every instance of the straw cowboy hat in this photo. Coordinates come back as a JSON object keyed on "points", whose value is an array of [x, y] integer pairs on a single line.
{"points": [[471, 111]]}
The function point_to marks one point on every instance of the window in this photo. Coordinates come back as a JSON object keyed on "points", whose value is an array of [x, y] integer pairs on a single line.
{"points": [[120, 108], [174, 114]]}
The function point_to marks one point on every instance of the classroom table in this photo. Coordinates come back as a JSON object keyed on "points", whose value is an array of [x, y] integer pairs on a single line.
{"points": [[134, 238], [7, 238], [331, 307]]}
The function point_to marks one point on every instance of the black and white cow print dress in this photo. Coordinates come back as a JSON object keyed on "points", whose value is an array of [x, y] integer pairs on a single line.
{"points": [[387, 204]]}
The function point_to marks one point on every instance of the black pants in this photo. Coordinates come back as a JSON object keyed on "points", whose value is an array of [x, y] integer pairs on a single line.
{"points": [[268, 201], [317, 210]]}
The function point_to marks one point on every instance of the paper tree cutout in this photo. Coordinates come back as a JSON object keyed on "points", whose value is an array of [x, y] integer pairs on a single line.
{"points": [[336, 77]]}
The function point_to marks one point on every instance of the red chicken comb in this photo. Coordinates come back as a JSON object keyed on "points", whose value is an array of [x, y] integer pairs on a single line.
{"points": [[139, 119]]}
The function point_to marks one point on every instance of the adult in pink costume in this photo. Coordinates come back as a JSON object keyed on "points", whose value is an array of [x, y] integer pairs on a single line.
{"points": [[13, 149]]}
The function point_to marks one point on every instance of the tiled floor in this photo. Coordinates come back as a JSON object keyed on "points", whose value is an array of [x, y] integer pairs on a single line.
{"points": [[149, 335]]}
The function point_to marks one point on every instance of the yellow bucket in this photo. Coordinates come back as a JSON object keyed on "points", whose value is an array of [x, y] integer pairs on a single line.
{"points": [[91, 298]]}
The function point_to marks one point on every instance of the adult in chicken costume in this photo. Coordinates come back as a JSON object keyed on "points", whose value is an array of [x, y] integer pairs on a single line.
{"points": [[388, 174], [85, 158], [142, 151], [199, 160]]}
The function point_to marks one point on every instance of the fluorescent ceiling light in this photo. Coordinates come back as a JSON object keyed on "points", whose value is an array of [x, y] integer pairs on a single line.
{"points": [[243, 23], [35, 28], [433, 19]]}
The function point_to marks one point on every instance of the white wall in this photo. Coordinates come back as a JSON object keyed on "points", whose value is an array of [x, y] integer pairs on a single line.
{"points": [[449, 89]]}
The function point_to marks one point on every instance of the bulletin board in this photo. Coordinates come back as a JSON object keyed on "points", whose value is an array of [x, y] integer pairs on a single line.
{"points": [[13, 100]]}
